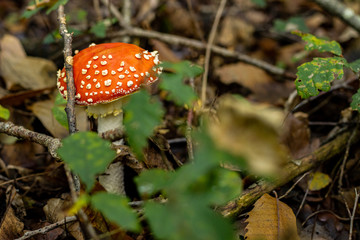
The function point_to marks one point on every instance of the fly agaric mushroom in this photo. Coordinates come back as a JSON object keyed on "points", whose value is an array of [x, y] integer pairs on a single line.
{"points": [[103, 75]]}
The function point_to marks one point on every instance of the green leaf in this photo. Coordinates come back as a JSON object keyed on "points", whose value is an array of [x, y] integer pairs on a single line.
{"points": [[355, 66], [318, 74], [56, 5], [187, 219], [152, 181], [314, 43], [4, 113], [318, 181], [184, 68], [99, 29], [116, 208], [259, 3], [30, 13], [180, 93], [87, 155], [142, 115], [293, 23], [355, 104], [59, 111]]}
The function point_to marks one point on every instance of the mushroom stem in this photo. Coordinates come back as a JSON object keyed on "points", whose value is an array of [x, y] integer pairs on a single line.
{"points": [[110, 122]]}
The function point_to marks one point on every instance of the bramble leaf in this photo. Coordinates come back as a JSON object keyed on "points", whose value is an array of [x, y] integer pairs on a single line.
{"points": [[355, 104], [318, 181], [116, 208], [142, 115], [314, 43], [87, 155], [317, 75], [59, 111]]}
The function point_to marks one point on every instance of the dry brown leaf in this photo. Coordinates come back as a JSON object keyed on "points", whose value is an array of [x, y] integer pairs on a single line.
{"points": [[11, 226], [20, 71], [235, 30], [296, 135], [42, 110], [250, 131], [55, 211], [261, 84], [271, 219]]}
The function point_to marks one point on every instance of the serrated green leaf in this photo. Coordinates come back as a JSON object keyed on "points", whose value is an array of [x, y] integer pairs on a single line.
{"points": [[99, 29], [116, 209], [318, 74], [56, 5], [87, 155], [314, 43], [142, 115], [152, 181], [318, 181], [180, 93], [4, 113]]}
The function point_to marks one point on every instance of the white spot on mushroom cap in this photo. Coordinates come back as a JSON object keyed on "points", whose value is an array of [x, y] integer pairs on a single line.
{"points": [[121, 76], [97, 85], [107, 82], [130, 83], [122, 64], [133, 69], [83, 71], [88, 86], [104, 72], [103, 63], [138, 55], [95, 66], [110, 56], [103, 56], [113, 72], [97, 72], [88, 77], [95, 57], [119, 84], [90, 100]]}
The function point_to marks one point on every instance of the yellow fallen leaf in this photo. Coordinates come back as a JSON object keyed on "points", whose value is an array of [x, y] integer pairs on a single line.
{"points": [[271, 219], [318, 181]]}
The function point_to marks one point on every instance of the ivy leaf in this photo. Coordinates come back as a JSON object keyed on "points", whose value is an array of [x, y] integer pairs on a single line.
{"points": [[116, 208], [314, 43], [4, 113], [142, 115], [87, 155], [180, 93], [318, 74], [318, 181]]}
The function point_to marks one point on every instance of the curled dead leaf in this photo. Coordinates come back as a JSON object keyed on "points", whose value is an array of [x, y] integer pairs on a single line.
{"points": [[250, 131]]}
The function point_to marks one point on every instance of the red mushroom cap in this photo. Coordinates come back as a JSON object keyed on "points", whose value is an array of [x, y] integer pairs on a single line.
{"points": [[106, 72]]}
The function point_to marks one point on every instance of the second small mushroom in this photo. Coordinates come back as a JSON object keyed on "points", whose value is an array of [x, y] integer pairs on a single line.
{"points": [[106, 73]]}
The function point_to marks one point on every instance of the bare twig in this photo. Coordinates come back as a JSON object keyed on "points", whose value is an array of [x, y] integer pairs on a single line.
{"points": [[324, 211], [70, 109], [346, 155], [20, 132], [293, 186], [48, 228], [208, 50], [340, 10], [353, 213], [302, 202], [126, 11]]}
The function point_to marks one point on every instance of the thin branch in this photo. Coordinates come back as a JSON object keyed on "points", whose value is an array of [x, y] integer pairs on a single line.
{"points": [[208, 50], [342, 11], [353, 213], [346, 155], [48, 228], [126, 11], [70, 106], [20, 132], [293, 186]]}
